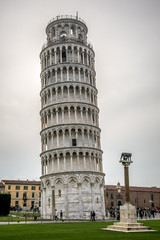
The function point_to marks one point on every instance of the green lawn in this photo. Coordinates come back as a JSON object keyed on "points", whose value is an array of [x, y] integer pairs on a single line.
{"points": [[74, 231]]}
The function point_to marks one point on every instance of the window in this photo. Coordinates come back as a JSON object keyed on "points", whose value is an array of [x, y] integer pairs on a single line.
{"points": [[74, 142], [17, 194], [97, 200], [40, 194], [107, 194], [152, 197], [25, 188], [73, 30], [32, 204], [32, 194], [49, 202], [63, 35], [39, 188], [112, 197], [24, 196], [80, 37], [16, 203], [63, 56], [24, 203], [17, 187], [39, 203], [112, 204], [93, 118], [59, 193], [144, 201], [9, 187], [33, 188]]}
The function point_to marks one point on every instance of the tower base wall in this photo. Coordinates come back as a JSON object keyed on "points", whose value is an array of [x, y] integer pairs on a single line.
{"points": [[76, 194]]}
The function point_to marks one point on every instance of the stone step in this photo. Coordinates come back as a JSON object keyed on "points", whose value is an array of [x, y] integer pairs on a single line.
{"points": [[128, 228], [128, 224]]}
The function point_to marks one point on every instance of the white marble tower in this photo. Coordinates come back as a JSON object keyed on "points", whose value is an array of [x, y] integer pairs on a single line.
{"points": [[72, 174]]}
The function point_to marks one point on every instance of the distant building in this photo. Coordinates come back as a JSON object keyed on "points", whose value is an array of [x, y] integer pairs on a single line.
{"points": [[140, 197], [23, 193], [26, 194], [1, 187]]}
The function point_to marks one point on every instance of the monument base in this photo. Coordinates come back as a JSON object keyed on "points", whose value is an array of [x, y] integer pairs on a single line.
{"points": [[128, 221]]}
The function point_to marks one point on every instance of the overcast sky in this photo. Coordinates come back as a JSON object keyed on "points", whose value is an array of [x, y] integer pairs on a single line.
{"points": [[126, 38]]}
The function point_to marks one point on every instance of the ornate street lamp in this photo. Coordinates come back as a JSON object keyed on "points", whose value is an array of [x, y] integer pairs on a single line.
{"points": [[119, 198], [118, 187]]}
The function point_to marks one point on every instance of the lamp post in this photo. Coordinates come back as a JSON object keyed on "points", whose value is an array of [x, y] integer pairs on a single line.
{"points": [[118, 187], [126, 161]]}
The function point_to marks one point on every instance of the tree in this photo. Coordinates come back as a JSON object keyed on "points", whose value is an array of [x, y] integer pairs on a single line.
{"points": [[5, 200]]}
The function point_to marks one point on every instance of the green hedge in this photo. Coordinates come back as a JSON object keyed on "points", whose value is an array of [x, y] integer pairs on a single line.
{"points": [[5, 200], [25, 214]]}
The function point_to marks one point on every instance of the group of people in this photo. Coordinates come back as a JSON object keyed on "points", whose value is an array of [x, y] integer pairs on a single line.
{"points": [[93, 216], [147, 212], [59, 215], [55, 217], [114, 213]]}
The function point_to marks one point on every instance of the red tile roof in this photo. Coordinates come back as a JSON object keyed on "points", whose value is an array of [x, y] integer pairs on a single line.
{"points": [[133, 188], [1, 184], [22, 182]]}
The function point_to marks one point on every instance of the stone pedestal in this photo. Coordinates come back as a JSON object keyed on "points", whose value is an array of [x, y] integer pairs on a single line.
{"points": [[128, 221], [128, 213]]}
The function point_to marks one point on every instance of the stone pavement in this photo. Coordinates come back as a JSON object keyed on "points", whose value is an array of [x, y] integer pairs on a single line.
{"points": [[69, 221], [42, 222]]}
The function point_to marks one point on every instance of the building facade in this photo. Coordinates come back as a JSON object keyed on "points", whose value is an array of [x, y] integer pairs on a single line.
{"points": [[71, 158], [24, 194], [1, 187], [27, 194], [140, 197]]}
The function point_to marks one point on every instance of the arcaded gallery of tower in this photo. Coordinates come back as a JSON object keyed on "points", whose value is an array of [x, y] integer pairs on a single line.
{"points": [[71, 158]]}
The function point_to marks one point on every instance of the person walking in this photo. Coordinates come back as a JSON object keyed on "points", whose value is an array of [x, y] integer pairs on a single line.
{"points": [[56, 214], [91, 216], [94, 215], [61, 215]]}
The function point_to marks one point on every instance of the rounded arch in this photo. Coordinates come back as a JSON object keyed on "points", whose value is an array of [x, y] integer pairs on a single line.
{"points": [[86, 182], [72, 182], [58, 182], [47, 183]]}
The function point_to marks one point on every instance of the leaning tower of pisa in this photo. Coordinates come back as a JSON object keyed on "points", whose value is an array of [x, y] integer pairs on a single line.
{"points": [[71, 158]]}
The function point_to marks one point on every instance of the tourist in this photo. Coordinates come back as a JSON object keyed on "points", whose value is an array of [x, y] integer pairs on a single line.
{"points": [[94, 216], [56, 214], [91, 216], [61, 215]]}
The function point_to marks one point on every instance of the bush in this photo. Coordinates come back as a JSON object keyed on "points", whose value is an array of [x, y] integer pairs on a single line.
{"points": [[25, 214], [5, 200]]}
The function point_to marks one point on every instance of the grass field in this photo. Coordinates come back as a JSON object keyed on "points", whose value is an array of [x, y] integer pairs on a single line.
{"points": [[73, 231]]}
